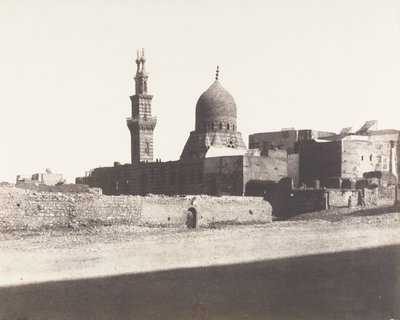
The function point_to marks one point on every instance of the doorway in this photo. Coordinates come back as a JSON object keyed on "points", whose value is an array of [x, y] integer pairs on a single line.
{"points": [[191, 218]]}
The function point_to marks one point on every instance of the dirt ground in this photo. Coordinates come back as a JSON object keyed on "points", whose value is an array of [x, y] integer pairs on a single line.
{"points": [[27, 256], [355, 239]]}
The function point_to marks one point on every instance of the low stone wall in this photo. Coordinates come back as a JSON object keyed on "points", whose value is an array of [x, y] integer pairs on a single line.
{"points": [[164, 211], [231, 210], [28, 209], [387, 193], [372, 197], [287, 203], [342, 198], [65, 188]]}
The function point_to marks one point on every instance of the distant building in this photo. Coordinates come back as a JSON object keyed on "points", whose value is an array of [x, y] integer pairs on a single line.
{"points": [[47, 178], [349, 156], [287, 140], [320, 155], [214, 160]]}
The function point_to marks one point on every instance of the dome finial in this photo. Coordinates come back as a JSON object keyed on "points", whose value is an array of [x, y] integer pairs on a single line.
{"points": [[216, 74]]}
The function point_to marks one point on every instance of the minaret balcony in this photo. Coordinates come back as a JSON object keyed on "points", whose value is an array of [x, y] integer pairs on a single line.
{"points": [[143, 119]]}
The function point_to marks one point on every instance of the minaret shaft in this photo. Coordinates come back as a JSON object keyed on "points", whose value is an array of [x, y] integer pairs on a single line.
{"points": [[141, 124]]}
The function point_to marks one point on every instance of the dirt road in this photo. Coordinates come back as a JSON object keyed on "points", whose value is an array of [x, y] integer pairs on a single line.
{"points": [[284, 270]]}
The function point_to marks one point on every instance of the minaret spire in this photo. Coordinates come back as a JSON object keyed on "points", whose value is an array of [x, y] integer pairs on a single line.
{"points": [[143, 61], [141, 73], [137, 62]]}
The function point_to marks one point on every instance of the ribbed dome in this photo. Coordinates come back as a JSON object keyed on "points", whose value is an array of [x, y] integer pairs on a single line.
{"points": [[215, 104]]}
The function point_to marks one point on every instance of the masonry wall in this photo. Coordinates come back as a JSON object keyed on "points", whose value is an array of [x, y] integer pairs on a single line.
{"points": [[27, 209], [231, 210], [169, 178], [268, 140], [393, 137], [288, 203], [309, 200], [172, 177], [271, 168], [319, 161], [285, 139], [387, 195], [342, 198], [224, 175], [360, 156]]}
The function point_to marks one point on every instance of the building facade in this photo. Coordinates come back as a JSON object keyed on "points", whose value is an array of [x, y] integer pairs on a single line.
{"points": [[349, 157], [47, 178], [320, 155], [214, 160]]}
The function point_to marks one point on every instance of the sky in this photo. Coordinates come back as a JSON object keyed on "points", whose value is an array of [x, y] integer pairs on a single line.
{"points": [[67, 68]]}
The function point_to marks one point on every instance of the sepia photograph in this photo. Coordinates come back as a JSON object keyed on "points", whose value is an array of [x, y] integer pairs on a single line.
{"points": [[199, 159]]}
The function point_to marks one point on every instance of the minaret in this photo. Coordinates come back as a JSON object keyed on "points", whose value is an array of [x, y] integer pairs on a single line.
{"points": [[141, 124]]}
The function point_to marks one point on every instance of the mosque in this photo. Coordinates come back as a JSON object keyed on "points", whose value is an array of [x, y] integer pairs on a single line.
{"points": [[214, 160]]}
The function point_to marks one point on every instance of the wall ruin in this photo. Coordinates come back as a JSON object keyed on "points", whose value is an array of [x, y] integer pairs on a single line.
{"points": [[29, 209]]}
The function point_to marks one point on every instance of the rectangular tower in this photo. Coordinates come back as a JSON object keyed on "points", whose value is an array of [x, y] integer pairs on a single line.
{"points": [[141, 125]]}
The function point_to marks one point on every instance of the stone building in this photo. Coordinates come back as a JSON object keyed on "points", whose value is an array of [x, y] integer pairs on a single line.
{"points": [[349, 156], [286, 139], [214, 159], [320, 155], [47, 178]]}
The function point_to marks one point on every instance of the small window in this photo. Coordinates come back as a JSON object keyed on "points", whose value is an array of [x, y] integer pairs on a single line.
{"points": [[147, 148], [385, 164], [231, 144], [227, 126], [362, 158], [220, 125], [370, 157]]}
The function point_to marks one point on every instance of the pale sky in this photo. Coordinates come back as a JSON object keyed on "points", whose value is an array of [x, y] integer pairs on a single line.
{"points": [[67, 68]]}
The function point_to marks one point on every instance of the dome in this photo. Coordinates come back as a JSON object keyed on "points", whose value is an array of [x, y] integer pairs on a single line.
{"points": [[215, 105]]}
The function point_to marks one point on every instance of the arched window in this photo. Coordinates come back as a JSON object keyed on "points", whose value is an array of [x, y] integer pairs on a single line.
{"points": [[147, 148], [220, 125], [227, 126], [233, 127]]}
